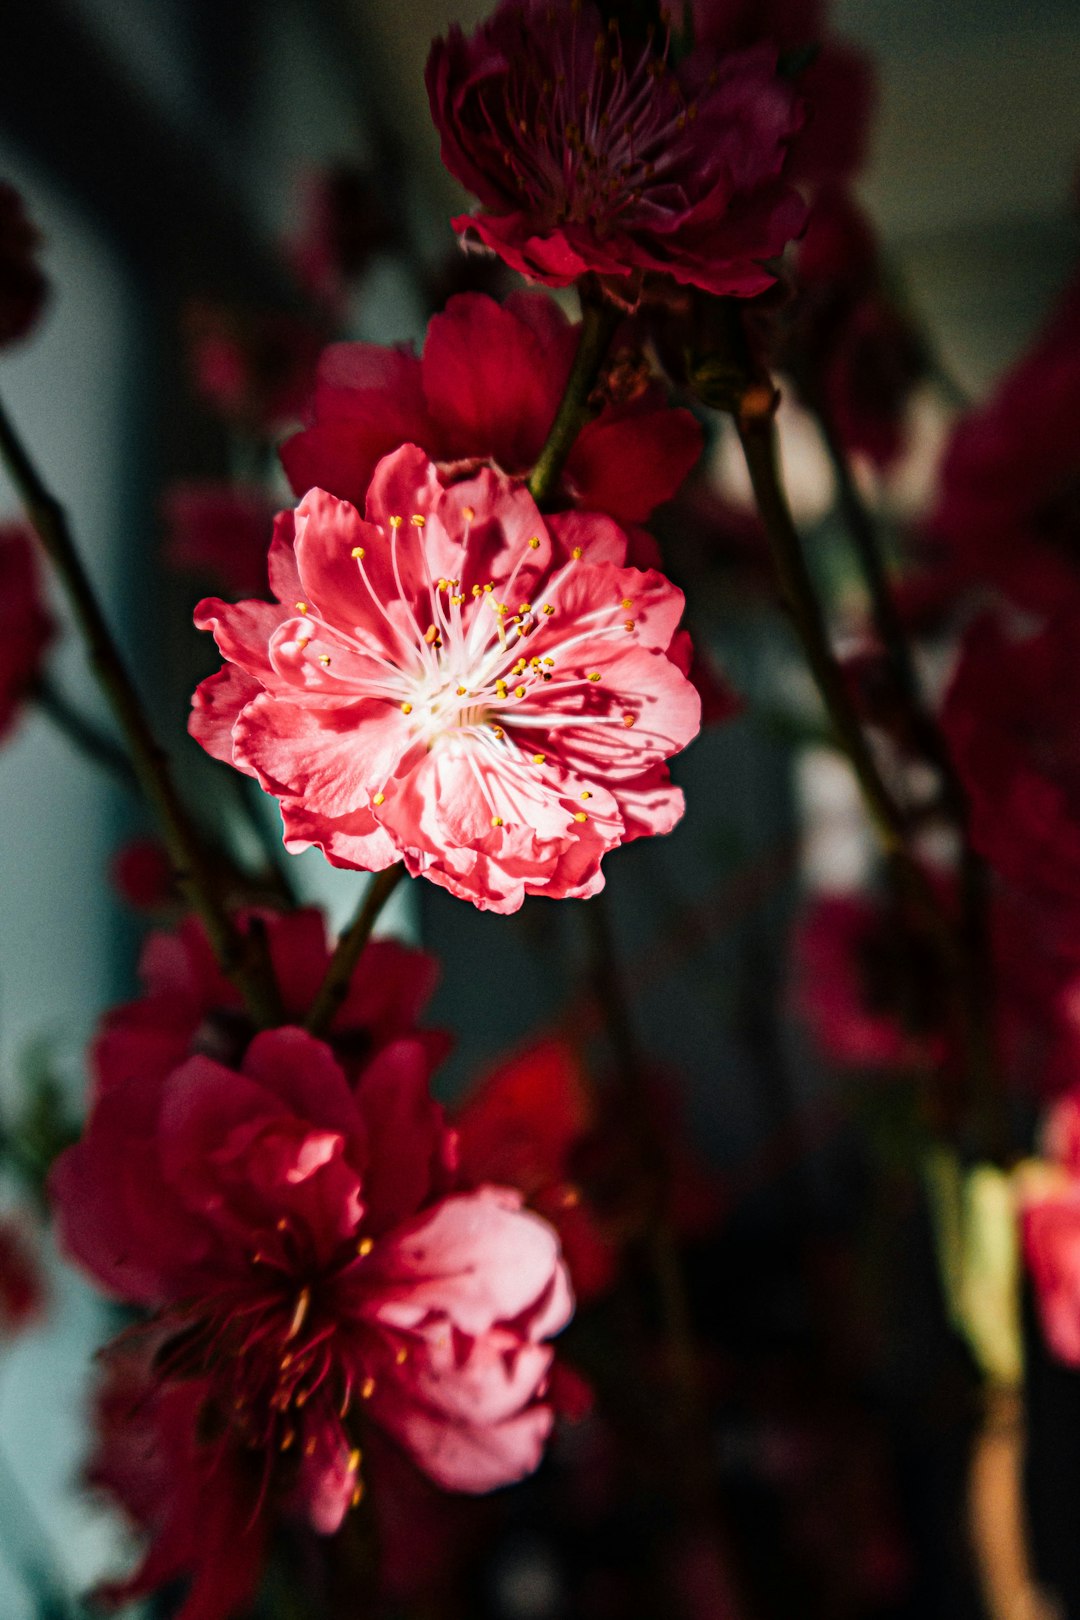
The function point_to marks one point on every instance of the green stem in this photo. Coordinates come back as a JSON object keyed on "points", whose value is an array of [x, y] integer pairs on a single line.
{"points": [[599, 322], [350, 948], [241, 958]]}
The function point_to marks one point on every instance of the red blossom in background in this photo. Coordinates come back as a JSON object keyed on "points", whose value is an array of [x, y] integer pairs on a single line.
{"points": [[23, 287], [142, 874], [343, 224], [835, 79], [296, 1241], [189, 1006], [500, 751], [1008, 510], [1010, 716], [220, 530], [25, 625], [255, 370], [485, 392], [22, 1291], [590, 152]]}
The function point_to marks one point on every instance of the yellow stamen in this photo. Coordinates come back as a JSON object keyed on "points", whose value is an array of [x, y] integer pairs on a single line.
{"points": [[579, 815], [496, 821], [406, 708], [576, 553], [538, 759], [586, 794], [548, 609], [467, 513], [364, 1247], [324, 659], [379, 798], [628, 720], [519, 691], [595, 676], [417, 520], [301, 607], [535, 542], [367, 1388], [395, 523], [358, 551]]}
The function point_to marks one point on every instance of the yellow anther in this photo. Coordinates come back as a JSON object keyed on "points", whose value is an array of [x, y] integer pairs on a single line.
{"points": [[550, 662], [431, 634], [287, 1439], [519, 691], [538, 759], [535, 542], [476, 590], [586, 794], [496, 821], [457, 600], [576, 553], [489, 586], [358, 1493], [303, 1301], [395, 523], [406, 708], [548, 609], [303, 642], [497, 731], [595, 676], [355, 1459], [628, 720], [417, 520], [500, 608], [367, 1388], [626, 603], [324, 659], [401, 1356], [358, 551], [364, 1247], [301, 607], [579, 815], [467, 513], [379, 798], [461, 690], [629, 625], [524, 607]]}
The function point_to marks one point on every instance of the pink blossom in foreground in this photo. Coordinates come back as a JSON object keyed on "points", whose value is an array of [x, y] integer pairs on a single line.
{"points": [[1050, 1207], [456, 682], [23, 287], [189, 1006], [485, 392], [590, 152], [295, 1238], [25, 625]]}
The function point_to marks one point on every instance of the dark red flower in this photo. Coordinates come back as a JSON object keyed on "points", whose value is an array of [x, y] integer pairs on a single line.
{"points": [[22, 1292], [835, 79], [590, 152], [255, 370], [142, 874], [1008, 510], [220, 530], [1010, 719], [485, 393], [23, 287], [188, 1005], [343, 224], [307, 1266], [25, 625]]}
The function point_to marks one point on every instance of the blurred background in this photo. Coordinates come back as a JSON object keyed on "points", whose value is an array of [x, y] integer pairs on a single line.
{"points": [[163, 146]]}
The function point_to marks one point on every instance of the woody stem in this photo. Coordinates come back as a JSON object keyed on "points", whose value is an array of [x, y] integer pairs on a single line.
{"points": [[599, 322], [242, 957], [350, 948]]}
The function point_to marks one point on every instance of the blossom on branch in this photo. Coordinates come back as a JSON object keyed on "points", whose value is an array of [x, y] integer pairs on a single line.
{"points": [[456, 682], [311, 1271], [484, 393], [592, 152], [189, 1006]]}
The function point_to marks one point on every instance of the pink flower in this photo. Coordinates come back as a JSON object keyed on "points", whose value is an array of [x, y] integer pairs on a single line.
{"points": [[590, 152], [221, 530], [485, 392], [23, 287], [1008, 510], [294, 1238], [25, 625], [456, 682], [188, 1005], [1050, 1209]]}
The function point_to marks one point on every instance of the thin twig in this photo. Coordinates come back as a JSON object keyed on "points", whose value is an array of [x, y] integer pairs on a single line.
{"points": [[350, 948], [82, 733], [239, 955]]}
